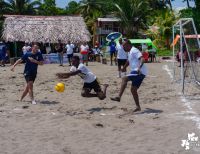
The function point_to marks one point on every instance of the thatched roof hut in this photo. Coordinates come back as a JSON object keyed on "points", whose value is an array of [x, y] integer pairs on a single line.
{"points": [[45, 29]]}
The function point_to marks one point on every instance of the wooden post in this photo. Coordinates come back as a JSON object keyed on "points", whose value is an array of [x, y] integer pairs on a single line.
{"points": [[15, 49]]}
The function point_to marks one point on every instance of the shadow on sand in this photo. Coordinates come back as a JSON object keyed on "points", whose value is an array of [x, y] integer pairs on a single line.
{"points": [[49, 102], [98, 109], [150, 111]]}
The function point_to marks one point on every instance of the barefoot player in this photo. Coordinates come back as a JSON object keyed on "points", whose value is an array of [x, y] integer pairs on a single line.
{"points": [[138, 73], [32, 60], [90, 80]]}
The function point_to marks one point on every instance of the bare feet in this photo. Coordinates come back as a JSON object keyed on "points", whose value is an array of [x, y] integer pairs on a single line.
{"points": [[137, 109], [106, 85]]}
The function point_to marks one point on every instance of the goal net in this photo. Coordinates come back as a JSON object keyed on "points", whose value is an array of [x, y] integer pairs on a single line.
{"points": [[186, 52]]}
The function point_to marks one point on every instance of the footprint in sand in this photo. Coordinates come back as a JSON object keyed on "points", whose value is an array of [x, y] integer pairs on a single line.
{"points": [[25, 107], [131, 121], [99, 125]]}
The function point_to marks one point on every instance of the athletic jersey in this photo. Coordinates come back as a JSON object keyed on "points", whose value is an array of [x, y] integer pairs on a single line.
{"points": [[70, 48], [121, 54], [30, 67], [86, 74], [134, 62], [112, 45]]}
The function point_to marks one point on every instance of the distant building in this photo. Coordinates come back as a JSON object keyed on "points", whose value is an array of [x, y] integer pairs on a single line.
{"points": [[104, 26]]}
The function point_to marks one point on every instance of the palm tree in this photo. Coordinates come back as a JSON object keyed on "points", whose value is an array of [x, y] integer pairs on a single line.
{"points": [[133, 14], [21, 7], [164, 22], [188, 2], [91, 10], [87, 7], [168, 2], [197, 3]]}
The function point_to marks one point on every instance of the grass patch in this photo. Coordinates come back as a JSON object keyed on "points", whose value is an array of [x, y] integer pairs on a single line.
{"points": [[165, 52]]}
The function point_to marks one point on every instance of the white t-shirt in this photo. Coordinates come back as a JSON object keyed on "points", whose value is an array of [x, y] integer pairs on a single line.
{"points": [[69, 48], [121, 54], [134, 62], [144, 47], [86, 74], [26, 49], [84, 47]]}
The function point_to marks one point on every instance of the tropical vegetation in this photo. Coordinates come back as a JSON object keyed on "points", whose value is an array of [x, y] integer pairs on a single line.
{"points": [[153, 18]]}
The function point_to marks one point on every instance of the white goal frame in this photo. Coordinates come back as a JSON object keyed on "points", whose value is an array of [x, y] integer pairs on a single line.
{"points": [[179, 25]]}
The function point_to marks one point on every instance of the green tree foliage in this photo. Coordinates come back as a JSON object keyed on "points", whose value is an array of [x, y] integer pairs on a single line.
{"points": [[197, 4], [72, 8], [167, 2], [21, 7], [192, 13], [133, 15], [161, 30], [157, 4], [88, 7], [48, 8], [91, 10]]}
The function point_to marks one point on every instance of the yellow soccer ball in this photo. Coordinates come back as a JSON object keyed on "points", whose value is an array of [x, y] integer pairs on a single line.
{"points": [[60, 87]]}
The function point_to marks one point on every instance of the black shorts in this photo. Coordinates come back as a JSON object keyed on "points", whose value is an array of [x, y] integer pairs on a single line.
{"points": [[136, 80], [69, 55], [30, 78], [121, 62], [93, 85], [112, 53]]}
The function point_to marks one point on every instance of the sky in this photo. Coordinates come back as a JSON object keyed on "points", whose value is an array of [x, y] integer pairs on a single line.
{"points": [[176, 4]]}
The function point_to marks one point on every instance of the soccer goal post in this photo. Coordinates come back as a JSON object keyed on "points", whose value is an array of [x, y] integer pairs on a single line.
{"points": [[186, 53]]}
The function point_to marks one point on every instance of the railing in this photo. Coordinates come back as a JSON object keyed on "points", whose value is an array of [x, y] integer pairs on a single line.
{"points": [[103, 31]]}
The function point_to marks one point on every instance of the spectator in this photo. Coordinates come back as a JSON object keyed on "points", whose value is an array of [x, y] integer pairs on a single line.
{"points": [[70, 51], [113, 50], [121, 57], [59, 50], [26, 48], [3, 53], [84, 50]]}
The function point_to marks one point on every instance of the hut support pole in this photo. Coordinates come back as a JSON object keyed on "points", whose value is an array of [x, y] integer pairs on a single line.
{"points": [[15, 48]]}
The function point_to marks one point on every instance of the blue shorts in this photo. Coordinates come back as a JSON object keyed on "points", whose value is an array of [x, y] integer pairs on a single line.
{"points": [[136, 80], [112, 52]]}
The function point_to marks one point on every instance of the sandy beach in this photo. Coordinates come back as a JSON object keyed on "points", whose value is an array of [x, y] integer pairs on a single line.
{"points": [[66, 123]]}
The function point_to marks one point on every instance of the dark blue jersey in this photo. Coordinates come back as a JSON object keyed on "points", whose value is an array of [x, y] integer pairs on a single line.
{"points": [[112, 45], [30, 67]]}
